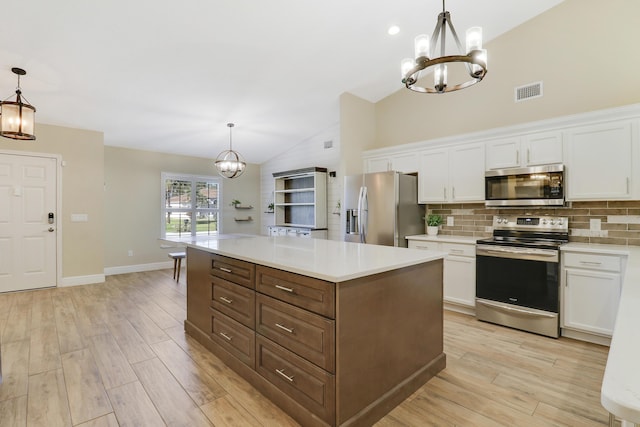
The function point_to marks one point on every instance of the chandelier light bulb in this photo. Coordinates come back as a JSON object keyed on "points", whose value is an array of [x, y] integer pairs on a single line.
{"points": [[421, 44], [474, 39], [406, 65]]}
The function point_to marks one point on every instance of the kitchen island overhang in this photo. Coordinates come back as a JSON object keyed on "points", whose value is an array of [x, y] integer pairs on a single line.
{"points": [[335, 333]]}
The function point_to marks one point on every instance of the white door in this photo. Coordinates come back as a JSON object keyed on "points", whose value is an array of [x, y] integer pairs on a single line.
{"points": [[27, 238]]}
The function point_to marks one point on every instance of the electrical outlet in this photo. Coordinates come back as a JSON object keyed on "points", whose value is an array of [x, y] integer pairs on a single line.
{"points": [[449, 221], [595, 224], [130, 253]]}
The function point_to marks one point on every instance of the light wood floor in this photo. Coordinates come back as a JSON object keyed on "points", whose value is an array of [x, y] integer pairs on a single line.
{"points": [[116, 354]]}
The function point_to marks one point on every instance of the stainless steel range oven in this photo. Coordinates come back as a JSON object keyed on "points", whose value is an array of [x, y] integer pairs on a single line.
{"points": [[517, 273]]}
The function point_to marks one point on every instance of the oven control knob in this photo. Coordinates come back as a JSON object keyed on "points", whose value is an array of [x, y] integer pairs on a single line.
{"points": [[560, 221], [544, 221], [552, 222]]}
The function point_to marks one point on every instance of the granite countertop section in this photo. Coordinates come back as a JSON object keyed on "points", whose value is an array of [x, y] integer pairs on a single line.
{"points": [[620, 393], [329, 260], [444, 238]]}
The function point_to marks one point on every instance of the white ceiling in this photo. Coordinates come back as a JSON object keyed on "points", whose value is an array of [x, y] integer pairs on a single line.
{"points": [[167, 76]]}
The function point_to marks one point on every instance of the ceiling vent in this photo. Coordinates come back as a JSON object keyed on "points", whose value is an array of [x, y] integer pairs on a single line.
{"points": [[529, 91]]}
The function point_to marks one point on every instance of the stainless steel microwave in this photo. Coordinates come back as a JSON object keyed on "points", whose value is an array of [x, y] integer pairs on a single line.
{"points": [[530, 186]]}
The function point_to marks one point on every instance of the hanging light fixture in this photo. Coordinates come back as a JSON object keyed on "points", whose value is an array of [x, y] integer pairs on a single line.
{"points": [[229, 163], [475, 58], [17, 117]]}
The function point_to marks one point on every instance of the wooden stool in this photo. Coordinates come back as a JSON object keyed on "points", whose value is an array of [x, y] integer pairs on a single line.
{"points": [[177, 260]]}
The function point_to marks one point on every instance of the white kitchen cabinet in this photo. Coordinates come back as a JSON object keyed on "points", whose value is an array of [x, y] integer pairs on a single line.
{"points": [[600, 161], [401, 162], [459, 275], [452, 175], [533, 149], [591, 292]]}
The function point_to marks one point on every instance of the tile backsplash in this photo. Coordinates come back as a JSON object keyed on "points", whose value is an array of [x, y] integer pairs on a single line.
{"points": [[619, 221]]}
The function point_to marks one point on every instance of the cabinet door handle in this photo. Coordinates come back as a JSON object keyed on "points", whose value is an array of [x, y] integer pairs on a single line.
{"points": [[517, 157], [627, 185], [528, 156], [226, 270], [284, 328], [453, 193], [445, 192], [287, 377], [225, 336], [227, 300], [591, 262], [284, 288]]}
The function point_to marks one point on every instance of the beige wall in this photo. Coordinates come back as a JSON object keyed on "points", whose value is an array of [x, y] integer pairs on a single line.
{"points": [[82, 192], [357, 132], [133, 201], [582, 50]]}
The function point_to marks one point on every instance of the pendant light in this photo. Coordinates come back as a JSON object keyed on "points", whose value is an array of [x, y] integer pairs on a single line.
{"points": [[474, 58], [17, 118], [229, 163]]}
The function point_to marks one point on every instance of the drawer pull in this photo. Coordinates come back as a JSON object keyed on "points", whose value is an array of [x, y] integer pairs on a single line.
{"points": [[284, 288], [226, 270], [591, 262], [284, 328], [227, 300], [225, 336], [288, 378], [456, 251]]}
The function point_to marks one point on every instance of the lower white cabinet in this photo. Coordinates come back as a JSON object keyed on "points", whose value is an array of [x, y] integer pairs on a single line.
{"points": [[459, 276], [591, 292]]}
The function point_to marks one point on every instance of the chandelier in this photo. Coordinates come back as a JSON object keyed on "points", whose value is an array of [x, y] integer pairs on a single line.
{"points": [[17, 117], [475, 58], [229, 163]]}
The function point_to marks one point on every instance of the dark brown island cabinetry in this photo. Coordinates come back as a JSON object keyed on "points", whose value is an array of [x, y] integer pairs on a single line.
{"points": [[327, 353]]}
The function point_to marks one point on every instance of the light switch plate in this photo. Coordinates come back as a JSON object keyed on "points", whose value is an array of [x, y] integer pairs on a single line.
{"points": [[449, 221]]}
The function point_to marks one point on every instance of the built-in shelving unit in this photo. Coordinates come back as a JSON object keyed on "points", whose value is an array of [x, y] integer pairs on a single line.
{"points": [[301, 198]]}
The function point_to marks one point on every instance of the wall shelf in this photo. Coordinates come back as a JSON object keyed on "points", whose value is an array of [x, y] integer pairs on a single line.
{"points": [[243, 207], [243, 219], [301, 198]]}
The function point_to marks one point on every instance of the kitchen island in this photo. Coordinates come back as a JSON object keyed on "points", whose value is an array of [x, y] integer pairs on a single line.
{"points": [[335, 333]]}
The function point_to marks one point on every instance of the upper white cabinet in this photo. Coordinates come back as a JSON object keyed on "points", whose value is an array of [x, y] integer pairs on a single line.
{"points": [[407, 162], [524, 150], [451, 175], [600, 161]]}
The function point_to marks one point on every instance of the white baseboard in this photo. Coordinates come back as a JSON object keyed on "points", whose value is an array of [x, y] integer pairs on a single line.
{"points": [[584, 336], [110, 271], [459, 308], [81, 280]]}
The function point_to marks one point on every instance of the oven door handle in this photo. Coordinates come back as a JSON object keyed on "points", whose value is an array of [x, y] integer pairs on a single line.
{"points": [[514, 310]]}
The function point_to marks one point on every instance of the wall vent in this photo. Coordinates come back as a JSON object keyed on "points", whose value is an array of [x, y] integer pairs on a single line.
{"points": [[528, 91], [328, 144]]}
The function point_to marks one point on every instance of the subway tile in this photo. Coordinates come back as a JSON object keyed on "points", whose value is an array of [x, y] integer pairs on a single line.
{"points": [[613, 226], [623, 203], [607, 212], [578, 239], [608, 241], [600, 204]]}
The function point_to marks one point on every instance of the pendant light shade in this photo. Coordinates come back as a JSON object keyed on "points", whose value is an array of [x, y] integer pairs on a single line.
{"points": [[17, 118], [229, 163]]}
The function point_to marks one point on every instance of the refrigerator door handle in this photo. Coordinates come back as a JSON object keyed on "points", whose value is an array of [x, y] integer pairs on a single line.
{"points": [[364, 220], [359, 231]]}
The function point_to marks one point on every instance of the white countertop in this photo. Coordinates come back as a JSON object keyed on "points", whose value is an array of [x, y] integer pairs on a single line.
{"points": [[444, 238], [329, 260], [620, 394]]}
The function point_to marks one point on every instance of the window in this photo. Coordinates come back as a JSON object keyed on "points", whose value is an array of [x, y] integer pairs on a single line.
{"points": [[190, 205]]}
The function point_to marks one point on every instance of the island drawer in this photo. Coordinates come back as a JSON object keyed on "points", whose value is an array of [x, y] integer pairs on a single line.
{"points": [[306, 292], [304, 382], [234, 300], [307, 334], [592, 261], [233, 270], [234, 337]]}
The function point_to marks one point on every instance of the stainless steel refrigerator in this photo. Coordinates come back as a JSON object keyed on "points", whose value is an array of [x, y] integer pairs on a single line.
{"points": [[381, 208]]}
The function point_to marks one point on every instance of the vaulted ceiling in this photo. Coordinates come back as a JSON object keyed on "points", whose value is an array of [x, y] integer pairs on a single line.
{"points": [[167, 76]]}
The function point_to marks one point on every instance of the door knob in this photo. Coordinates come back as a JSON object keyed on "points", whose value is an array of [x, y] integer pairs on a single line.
{"points": [[50, 229]]}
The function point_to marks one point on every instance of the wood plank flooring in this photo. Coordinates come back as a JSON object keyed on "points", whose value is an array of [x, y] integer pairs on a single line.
{"points": [[116, 354]]}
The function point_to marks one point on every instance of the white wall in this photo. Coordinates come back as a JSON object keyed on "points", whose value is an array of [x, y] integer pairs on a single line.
{"points": [[308, 153]]}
